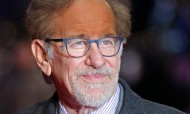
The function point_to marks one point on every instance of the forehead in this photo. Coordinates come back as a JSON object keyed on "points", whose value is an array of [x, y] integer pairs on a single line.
{"points": [[89, 14], [92, 10]]}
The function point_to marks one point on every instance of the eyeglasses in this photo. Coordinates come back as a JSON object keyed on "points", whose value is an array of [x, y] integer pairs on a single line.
{"points": [[78, 47]]}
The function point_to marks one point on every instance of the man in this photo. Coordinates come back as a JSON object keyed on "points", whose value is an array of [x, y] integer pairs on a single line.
{"points": [[78, 44]]}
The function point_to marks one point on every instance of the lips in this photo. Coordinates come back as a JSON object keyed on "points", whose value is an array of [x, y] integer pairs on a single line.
{"points": [[94, 77]]}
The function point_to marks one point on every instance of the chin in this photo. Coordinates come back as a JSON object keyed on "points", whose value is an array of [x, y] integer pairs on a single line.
{"points": [[94, 94]]}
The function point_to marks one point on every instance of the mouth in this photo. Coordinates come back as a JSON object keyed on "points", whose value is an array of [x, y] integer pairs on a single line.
{"points": [[95, 77]]}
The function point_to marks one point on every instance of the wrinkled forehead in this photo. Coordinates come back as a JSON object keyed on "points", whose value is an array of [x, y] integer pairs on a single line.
{"points": [[87, 11]]}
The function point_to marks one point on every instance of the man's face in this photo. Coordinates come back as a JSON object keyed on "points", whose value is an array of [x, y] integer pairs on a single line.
{"points": [[89, 80]]}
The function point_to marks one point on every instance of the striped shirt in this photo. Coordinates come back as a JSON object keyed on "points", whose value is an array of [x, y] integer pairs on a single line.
{"points": [[108, 108]]}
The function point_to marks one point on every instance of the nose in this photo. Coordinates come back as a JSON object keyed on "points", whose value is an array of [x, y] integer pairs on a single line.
{"points": [[94, 58]]}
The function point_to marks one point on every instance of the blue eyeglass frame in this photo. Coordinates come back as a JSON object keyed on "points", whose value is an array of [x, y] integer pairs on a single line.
{"points": [[65, 40]]}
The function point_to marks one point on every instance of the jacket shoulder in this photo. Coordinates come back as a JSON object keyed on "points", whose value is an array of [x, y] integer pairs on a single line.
{"points": [[134, 104], [150, 107], [45, 107]]}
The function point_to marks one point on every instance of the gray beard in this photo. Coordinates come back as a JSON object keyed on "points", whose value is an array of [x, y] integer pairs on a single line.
{"points": [[83, 90]]}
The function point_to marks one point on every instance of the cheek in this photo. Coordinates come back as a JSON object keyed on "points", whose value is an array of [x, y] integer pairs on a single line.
{"points": [[114, 62], [63, 68], [59, 69]]}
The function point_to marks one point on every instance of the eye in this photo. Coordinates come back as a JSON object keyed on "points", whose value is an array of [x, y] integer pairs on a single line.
{"points": [[77, 43], [80, 43], [107, 42]]}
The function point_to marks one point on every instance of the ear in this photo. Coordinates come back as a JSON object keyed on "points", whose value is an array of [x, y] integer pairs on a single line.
{"points": [[39, 53]]}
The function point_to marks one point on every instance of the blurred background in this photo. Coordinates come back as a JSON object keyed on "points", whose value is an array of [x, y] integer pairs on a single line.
{"points": [[155, 62]]}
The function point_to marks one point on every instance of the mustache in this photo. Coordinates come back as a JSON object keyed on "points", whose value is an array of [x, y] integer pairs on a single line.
{"points": [[91, 71]]}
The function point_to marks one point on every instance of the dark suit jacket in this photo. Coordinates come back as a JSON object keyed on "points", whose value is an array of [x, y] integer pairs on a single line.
{"points": [[129, 103]]}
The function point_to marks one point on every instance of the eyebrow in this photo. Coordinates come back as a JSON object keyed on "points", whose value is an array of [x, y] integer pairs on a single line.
{"points": [[74, 36], [109, 34]]}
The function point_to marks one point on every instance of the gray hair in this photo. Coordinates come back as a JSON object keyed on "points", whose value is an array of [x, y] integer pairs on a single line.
{"points": [[41, 12]]}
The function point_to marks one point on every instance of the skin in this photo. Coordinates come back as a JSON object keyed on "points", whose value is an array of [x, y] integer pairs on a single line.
{"points": [[92, 19]]}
